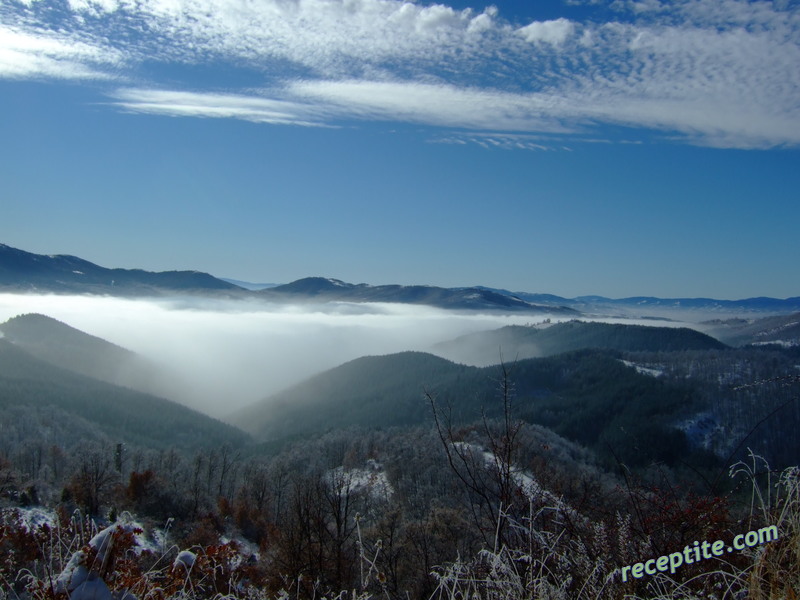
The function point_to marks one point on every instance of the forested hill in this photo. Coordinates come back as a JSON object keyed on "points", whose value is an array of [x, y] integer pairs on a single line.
{"points": [[63, 346], [514, 341], [589, 396], [377, 391], [783, 330], [124, 415]]}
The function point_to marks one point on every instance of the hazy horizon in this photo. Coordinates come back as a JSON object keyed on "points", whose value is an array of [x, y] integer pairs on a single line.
{"points": [[262, 284]]}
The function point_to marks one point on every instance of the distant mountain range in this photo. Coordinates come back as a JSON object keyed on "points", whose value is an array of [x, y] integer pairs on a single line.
{"points": [[474, 298], [249, 285], [28, 272], [23, 271], [663, 305]]}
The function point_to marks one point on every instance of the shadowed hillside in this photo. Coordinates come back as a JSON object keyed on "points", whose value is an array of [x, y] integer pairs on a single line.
{"points": [[782, 330], [122, 414], [487, 347], [587, 396], [63, 346]]}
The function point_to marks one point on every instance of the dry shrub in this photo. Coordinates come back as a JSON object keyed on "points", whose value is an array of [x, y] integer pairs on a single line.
{"points": [[776, 570]]}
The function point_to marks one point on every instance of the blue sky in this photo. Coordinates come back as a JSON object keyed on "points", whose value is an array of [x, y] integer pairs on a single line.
{"points": [[580, 147]]}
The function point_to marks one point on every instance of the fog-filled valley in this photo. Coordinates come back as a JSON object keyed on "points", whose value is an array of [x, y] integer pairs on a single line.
{"points": [[218, 355], [355, 449]]}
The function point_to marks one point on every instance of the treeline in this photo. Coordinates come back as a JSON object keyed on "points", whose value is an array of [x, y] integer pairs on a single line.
{"points": [[394, 513], [745, 398], [412, 477], [309, 511], [123, 413], [545, 339], [589, 396]]}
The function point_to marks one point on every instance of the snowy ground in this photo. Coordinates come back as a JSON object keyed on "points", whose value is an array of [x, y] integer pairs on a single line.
{"points": [[371, 478], [643, 369]]}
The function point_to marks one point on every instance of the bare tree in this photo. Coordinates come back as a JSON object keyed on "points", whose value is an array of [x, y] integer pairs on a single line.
{"points": [[487, 476], [94, 476]]}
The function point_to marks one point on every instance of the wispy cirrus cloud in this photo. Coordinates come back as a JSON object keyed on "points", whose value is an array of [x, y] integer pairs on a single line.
{"points": [[215, 105], [32, 54], [712, 72], [318, 103], [434, 104], [502, 141]]}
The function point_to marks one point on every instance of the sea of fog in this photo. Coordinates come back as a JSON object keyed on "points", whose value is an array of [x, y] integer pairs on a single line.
{"points": [[222, 355]]}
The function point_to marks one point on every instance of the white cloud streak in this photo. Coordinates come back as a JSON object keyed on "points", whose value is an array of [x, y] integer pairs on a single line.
{"points": [[26, 54], [434, 104], [715, 72], [213, 105]]}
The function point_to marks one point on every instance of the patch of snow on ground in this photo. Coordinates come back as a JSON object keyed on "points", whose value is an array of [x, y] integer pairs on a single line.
{"points": [[527, 483], [35, 517], [371, 478], [777, 329], [644, 370], [73, 575], [247, 550], [104, 539], [784, 343], [152, 540], [185, 560], [77, 578]]}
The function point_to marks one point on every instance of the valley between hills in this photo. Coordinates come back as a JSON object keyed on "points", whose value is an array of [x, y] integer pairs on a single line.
{"points": [[580, 436]]}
